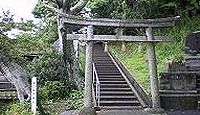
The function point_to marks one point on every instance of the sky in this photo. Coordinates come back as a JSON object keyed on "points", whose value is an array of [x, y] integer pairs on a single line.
{"points": [[20, 8]]}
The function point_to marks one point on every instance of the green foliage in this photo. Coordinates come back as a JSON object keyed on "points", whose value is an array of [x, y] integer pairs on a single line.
{"points": [[6, 21], [136, 57], [54, 90], [132, 9], [40, 11], [49, 67], [5, 44], [75, 100], [16, 108]]}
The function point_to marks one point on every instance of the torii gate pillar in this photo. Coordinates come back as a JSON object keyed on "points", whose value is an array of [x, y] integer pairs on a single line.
{"points": [[153, 72], [88, 69]]}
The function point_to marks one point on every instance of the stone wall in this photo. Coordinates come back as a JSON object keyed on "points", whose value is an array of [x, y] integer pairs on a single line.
{"points": [[178, 90]]}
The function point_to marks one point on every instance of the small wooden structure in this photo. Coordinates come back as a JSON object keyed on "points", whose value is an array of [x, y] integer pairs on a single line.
{"points": [[149, 38]]}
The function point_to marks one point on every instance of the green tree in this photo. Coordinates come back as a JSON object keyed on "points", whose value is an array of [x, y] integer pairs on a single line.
{"points": [[66, 46]]}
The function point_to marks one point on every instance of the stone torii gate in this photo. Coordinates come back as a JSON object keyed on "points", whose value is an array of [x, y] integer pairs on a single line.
{"points": [[149, 38]]}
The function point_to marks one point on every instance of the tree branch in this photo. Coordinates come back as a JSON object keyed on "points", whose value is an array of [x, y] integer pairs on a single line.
{"points": [[78, 7]]}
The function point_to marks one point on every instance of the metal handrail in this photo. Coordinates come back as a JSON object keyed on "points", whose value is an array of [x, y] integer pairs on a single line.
{"points": [[97, 92]]}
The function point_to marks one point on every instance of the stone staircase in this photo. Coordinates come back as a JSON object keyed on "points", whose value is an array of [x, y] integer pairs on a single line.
{"points": [[198, 89], [115, 92], [7, 90]]}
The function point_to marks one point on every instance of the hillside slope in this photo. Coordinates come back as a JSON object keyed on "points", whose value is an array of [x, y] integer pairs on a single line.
{"points": [[135, 58]]}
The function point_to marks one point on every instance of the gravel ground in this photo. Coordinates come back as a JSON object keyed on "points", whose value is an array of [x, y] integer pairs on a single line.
{"points": [[186, 112]]}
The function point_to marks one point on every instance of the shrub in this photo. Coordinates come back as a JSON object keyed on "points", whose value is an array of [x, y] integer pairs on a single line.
{"points": [[54, 90], [49, 67], [75, 100], [16, 108]]}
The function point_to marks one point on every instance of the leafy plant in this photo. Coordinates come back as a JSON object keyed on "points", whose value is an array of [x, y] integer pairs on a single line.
{"points": [[54, 90], [16, 108], [49, 67], [75, 100]]}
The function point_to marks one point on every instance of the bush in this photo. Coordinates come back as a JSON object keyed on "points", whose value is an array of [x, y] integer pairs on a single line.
{"points": [[54, 90], [49, 67], [16, 108], [75, 100]]}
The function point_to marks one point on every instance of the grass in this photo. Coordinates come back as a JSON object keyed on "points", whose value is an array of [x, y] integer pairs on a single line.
{"points": [[135, 58]]}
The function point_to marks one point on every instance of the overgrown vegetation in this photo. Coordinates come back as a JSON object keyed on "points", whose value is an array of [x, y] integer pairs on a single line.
{"points": [[16, 108], [136, 57], [47, 66]]}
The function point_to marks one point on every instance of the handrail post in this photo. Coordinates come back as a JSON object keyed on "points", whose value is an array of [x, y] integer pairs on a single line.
{"points": [[98, 94], [88, 69], [97, 84]]}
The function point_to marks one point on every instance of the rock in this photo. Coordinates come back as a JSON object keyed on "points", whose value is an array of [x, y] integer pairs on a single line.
{"points": [[67, 113], [85, 111]]}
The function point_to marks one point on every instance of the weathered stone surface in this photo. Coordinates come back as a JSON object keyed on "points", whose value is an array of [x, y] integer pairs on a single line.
{"points": [[160, 22], [123, 112], [185, 112], [172, 66], [178, 90], [192, 63], [192, 46], [155, 111], [85, 111], [179, 102], [178, 81]]}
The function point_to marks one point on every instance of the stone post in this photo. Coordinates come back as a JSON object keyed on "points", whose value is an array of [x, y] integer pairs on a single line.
{"points": [[34, 95], [153, 70], [120, 33], [88, 69], [106, 49]]}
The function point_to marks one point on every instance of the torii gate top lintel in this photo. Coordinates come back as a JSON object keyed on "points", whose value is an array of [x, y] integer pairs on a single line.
{"points": [[137, 23], [120, 23]]}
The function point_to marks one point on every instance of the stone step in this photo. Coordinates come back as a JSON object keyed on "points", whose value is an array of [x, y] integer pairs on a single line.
{"points": [[116, 89], [120, 108], [102, 61], [105, 64], [99, 71], [120, 103], [112, 82], [107, 68], [5, 82], [8, 89], [110, 76], [113, 85], [116, 97], [113, 74], [6, 86], [119, 93], [112, 79]]}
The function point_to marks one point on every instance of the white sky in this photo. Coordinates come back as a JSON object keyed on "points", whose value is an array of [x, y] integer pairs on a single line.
{"points": [[20, 8]]}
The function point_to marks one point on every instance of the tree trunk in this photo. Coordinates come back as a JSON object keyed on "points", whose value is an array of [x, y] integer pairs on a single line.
{"points": [[71, 62], [16, 75]]}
